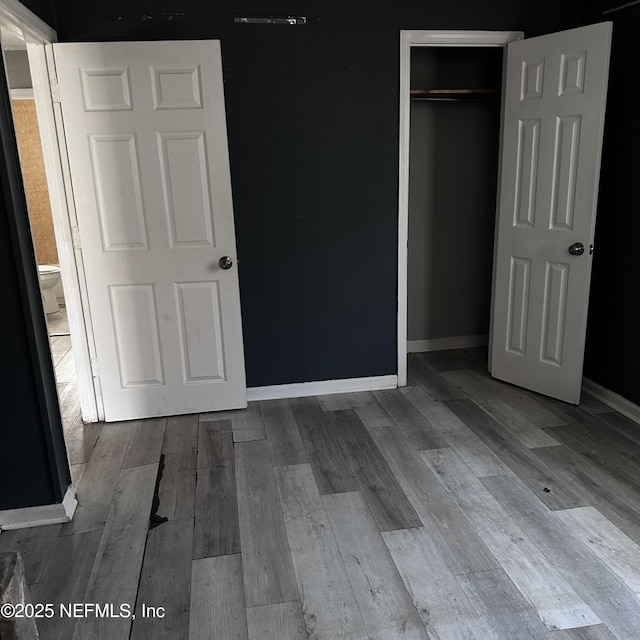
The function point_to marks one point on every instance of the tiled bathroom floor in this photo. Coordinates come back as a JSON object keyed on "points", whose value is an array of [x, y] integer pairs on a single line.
{"points": [[65, 369], [58, 323]]}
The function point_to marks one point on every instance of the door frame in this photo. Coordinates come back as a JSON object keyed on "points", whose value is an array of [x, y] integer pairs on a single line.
{"points": [[410, 39], [39, 37]]}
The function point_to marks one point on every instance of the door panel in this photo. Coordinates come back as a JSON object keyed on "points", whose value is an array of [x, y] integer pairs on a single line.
{"points": [[146, 136], [552, 138]]}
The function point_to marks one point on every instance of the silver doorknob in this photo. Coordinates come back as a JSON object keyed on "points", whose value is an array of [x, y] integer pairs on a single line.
{"points": [[225, 262], [576, 249]]}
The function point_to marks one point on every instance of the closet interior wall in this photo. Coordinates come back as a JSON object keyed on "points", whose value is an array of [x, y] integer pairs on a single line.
{"points": [[453, 170]]}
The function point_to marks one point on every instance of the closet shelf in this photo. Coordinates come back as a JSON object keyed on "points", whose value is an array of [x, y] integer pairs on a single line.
{"points": [[454, 94]]}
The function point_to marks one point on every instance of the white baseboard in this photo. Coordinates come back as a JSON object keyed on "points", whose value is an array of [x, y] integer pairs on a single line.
{"points": [[443, 344], [613, 400], [321, 388], [40, 516]]}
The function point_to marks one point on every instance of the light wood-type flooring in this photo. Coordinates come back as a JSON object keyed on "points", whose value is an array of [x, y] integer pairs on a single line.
{"points": [[457, 508]]}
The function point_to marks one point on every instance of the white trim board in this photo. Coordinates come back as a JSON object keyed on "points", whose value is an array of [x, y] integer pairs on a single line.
{"points": [[321, 388], [41, 515], [423, 38], [33, 28], [23, 94], [65, 224], [444, 344], [613, 400]]}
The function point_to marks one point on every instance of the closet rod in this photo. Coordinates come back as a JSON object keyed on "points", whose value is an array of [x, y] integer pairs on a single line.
{"points": [[454, 94]]}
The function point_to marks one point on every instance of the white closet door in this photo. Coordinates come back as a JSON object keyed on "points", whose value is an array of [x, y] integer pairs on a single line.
{"points": [[555, 95]]}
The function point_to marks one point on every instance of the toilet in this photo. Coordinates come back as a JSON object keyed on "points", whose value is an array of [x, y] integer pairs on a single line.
{"points": [[49, 278]]}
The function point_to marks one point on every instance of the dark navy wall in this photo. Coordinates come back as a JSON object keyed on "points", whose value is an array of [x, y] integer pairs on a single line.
{"points": [[313, 134], [25, 478], [33, 464], [613, 335], [44, 9]]}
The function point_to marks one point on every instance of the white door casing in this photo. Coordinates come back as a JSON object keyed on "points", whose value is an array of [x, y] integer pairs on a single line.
{"points": [[553, 123], [146, 136]]}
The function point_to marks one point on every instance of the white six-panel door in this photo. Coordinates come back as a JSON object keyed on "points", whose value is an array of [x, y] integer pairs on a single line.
{"points": [[146, 136], [552, 138]]}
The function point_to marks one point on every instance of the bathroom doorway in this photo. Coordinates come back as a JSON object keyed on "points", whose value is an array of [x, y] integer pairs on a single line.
{"points": [[25, 120], [57, 305]]}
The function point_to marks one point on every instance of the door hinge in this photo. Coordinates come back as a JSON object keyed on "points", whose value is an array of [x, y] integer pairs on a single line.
{"points": [[55, 90], [75, 237]]}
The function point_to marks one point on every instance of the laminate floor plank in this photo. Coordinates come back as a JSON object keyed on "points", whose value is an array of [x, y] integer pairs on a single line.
{"points": [[80, 439], [268, 572], [218, 610], [452, 360], [516, 422], [627, 427], [177, 486], [325, 450], [145, 443], [597, 487], [364, 403], [276, 622], [217, 530], [215, 444], [595, 632], [420, 372], [591, 404], [411, 421], [619, 456], [386, 607], [180, 445], [517, 457], [441, 603], [177, 493], [477, 456], [77, 470], [450, 530], [342, 401], [64, 581], [344, 458], [222, 418], [328, 603], [531, 404], [504, 609], [69, 400], [566, 413], [615, 549], [381, 490], [616, 606], [600, 434], [115, 573], [98, 484], [248, 424], [35, 544], [165, 581], [284, 437], [554, 599]]}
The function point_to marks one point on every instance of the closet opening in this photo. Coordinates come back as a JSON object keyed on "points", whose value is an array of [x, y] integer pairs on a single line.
{"points": [[450, 128], [453, 175]]}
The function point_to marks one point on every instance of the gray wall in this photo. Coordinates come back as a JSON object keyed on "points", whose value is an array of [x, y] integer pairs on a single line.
{"points": [[18, 69], [452, 193]]}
